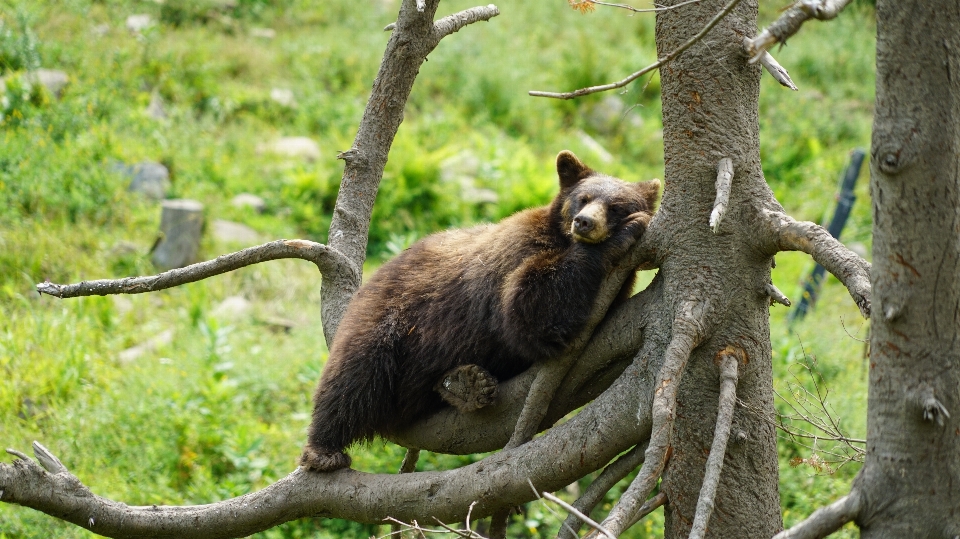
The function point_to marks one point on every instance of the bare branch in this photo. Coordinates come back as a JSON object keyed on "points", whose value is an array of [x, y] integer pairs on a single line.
{"points": [[688, 332], [826, 520], [776, 296], [576, 512], [409, 464], [639, 10], [790, 22], [724, 183], [773, 67], [48, 460], [453, 23], [332, 264], [656, 65], [729, 358], [649, 506], [610, 476], [788, 234]]}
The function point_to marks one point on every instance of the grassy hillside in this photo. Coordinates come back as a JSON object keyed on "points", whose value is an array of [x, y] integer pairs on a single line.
{"points": [[218, 404]]}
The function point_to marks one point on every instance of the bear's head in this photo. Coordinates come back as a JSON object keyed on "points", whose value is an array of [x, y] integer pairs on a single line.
{"points": [[592, 205]]}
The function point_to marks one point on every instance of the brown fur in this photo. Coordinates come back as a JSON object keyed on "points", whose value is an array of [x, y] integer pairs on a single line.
{"points": [[496, 297]]}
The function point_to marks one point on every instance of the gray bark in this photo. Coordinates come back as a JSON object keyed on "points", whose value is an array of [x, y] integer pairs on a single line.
{"points": [[910, 482]]}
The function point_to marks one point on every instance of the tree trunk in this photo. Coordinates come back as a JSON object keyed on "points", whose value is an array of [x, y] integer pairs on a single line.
{"points": [[710, 111], [910, 482]]}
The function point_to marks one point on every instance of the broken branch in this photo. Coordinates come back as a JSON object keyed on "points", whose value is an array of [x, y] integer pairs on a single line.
{"points": [[788, 234], [730, 358], [331, 263], [776, 70], [790, 22], [656, 65], [724, 183]]}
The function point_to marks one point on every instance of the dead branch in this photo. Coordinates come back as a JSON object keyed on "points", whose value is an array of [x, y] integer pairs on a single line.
{"points": [[415, 36], [576, 513], [610, 476], [688, 333], [790, 22], [787, 234], [724, 183], [730, 358], [332, 264], [639, 10], [826, 520], [777, 71], [656, 65], [776, 296]]}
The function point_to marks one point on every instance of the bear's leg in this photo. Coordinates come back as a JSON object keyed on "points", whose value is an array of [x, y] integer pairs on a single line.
{"points": [[468, 388], [320, 460]]}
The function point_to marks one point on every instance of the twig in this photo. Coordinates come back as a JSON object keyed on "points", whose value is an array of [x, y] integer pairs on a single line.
{"points": [[730, 358], [786, 234], [639, 10], [574, 511], [656, 65], [776, 296], [826, 520], [688, 332], [790, 22], [724, 183], [776, 70], [610, 476], [330, 262], [563, 524], [649, 506]]}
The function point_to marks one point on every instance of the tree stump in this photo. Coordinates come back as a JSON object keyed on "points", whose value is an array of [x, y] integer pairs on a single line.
{"points": [[181, 227]]}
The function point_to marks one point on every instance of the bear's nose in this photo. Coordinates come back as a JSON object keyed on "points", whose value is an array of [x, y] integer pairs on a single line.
{"points": [[583, 224]]}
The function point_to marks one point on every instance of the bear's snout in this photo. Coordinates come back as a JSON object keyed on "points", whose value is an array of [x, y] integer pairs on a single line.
{"points": [[583, 224]]}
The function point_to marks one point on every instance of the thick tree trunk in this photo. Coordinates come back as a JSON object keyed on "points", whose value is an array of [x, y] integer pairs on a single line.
{"points": [[910, 483], [710, 111]]}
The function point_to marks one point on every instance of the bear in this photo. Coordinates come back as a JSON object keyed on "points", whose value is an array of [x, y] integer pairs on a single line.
{"points": [[447, 319]]}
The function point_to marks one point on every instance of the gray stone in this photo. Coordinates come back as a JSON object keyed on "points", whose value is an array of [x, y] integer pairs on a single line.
{"points": [[135, 352], [233, 308], [51, 79], [149, 179], [138, 23], [283, 96], [228, 231], [155, 109], [263, 33], [247, 200], [297, 147]]}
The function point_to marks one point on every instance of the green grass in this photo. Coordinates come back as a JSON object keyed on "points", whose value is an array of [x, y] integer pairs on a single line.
{"points": [[222, 408]]}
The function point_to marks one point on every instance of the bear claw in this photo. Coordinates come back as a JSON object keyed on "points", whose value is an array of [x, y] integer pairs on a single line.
{"points": [[468, 388], [319, 460]]}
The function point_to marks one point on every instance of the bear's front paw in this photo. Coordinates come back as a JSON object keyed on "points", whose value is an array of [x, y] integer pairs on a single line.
{"points": [[637, 222], [320, 460], [468, 388]]}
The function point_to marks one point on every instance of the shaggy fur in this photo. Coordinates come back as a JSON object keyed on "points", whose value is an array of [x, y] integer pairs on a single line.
{"points": [[461, 309]]}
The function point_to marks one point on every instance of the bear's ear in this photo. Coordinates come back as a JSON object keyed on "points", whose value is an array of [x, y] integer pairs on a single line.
{"points": [[570, 169], [649, 191]]}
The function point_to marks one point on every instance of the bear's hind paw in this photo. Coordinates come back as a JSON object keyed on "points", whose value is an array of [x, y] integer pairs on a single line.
{"points": [[319, 460], [468, 388]]}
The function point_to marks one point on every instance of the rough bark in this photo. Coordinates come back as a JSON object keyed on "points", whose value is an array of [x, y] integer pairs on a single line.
{"points": [[710, 112], [910, 481]]}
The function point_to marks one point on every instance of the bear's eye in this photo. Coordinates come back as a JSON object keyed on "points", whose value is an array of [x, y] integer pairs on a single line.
{"points": [[584, 199]]}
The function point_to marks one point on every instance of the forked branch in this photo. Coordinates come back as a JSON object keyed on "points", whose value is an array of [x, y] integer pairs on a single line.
{"points": [[656, 65], [729, 358], [826, 520], [790, 22], [331, 263], [786, 234]]}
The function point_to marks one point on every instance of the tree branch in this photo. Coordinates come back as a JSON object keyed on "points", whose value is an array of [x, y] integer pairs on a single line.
{"points": [[853, 271], [453, 23], [610, 476], [724, 183], [729, 358], [826, 520], [688, 332], [779, 73], [496, 482], [656, 65], [331, 263], [790, 22]]}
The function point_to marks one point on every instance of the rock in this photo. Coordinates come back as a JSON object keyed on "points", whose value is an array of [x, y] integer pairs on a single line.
{"points": [[151, 344], [247, 200], [277, 324], [101, 30], [283, 96], [138, 23], [150, 179], [263, 33], [299, 147], [233, 308], [231, 232], [54, 81], [181, 226], [155, 109]]}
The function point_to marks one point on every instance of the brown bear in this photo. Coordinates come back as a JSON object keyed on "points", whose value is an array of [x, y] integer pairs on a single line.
{"points": [[459, 310]]}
